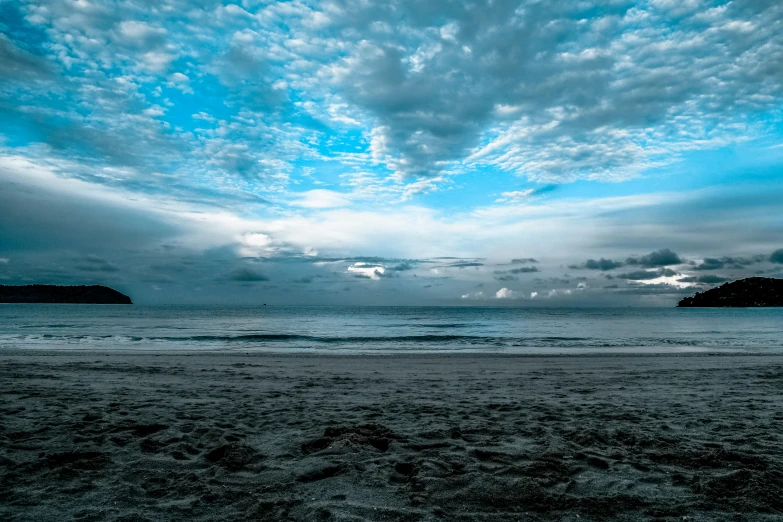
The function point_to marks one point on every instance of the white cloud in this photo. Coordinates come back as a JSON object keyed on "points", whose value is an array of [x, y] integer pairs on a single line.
{"points": [[422, 186], [203, 116], [180, 81], [255, 244], [296, 241], [382, 104], [155, 110], [367, 270], [505, 293], [516, 196], [586, 96], [339, 112], [673, 281], [320, 198], [555, 230], [139, 31], [156, 61]]}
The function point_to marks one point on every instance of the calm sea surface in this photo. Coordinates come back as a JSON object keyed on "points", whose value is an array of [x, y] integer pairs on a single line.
{"points": [[390, 329]]}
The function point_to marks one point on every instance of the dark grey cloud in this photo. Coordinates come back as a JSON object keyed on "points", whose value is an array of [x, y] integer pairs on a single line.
{"points": [[524, 270], [567, 86], [691, 223], [153, 266], [522, 261], [93, 263], [103, 119], [247, 275], [598, 264], [602, 264], [714, 263], [571, 89], [776, 256], [452, 69], [707, 279], [392, 263], [711, 263], [663, 257], [402, 267], [17, 64], [507, 275], [245, 69], [38, 219], [565, 280], [115, 137]]}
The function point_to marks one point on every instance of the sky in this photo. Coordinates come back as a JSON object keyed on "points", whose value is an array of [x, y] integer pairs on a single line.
{"points": [[525, 153]]}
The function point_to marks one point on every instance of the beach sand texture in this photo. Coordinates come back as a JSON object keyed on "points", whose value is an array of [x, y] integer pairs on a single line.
{"points": [[134, 437]]}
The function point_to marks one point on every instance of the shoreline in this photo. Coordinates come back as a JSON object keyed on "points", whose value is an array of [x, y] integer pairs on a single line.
{"points": [[53, 352]]}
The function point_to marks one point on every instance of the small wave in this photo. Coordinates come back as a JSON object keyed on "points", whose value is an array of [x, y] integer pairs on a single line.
{"points": [[321, 339], [403, 342], [557, 339], [428, 325], [248, 337], [39, 326]]}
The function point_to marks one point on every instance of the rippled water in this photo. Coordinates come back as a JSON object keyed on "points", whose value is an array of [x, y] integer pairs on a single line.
{"points": [[390, 329]]}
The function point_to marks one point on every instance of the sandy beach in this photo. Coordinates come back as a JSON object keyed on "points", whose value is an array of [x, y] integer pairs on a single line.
{"points": [[132, 437]]}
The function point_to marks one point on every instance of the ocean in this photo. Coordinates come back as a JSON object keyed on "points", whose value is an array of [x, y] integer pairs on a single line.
{"points": [[325, 329]]}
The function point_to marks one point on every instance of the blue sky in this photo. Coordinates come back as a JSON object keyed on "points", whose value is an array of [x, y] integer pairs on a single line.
{"points": [[336, 152]]}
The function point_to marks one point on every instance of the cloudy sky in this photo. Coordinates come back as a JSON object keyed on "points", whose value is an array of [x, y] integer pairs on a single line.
{"points": [[398, 152]]}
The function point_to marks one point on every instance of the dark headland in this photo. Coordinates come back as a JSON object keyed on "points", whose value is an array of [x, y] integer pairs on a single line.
{"points": [[54, 294], [752, 292]]}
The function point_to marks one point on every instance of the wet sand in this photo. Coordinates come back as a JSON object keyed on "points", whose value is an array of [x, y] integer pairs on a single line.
{"points": [[133, 437]]}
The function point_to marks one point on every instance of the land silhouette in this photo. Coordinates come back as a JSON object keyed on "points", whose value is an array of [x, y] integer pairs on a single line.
{"points": [[752, 292], [54, 294]]}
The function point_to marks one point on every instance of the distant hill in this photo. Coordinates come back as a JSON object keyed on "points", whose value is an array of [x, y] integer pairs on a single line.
{"points": [[95, 294], [744, 293]]}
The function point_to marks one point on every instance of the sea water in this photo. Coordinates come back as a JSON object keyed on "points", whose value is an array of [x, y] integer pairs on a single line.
{"points": [[326, 329], [390, 329]]}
